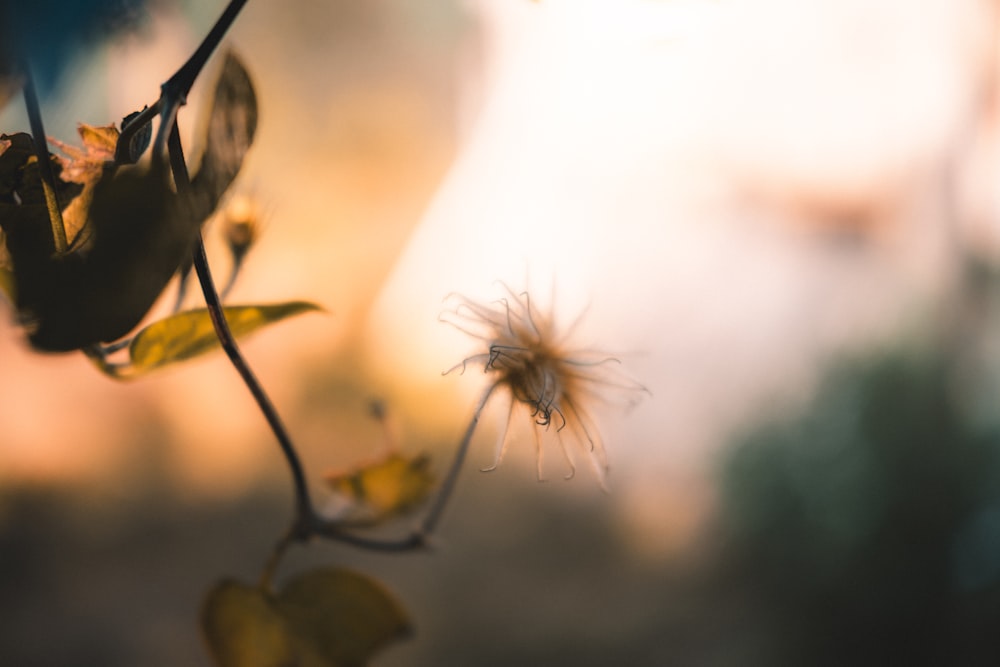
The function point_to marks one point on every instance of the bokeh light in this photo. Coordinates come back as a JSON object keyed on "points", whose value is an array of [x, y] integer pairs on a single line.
{"points": [[733, 197]]}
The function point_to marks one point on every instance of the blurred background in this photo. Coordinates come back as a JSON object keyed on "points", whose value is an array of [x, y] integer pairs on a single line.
{"points": [[781, 216]]}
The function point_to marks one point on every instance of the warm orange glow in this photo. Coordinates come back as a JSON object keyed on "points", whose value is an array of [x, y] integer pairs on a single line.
{"points": [[673, 168]]}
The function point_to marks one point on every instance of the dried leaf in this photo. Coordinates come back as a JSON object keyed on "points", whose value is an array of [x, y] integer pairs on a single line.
{"points": [[8, 286], [15, 151], [101, 292], [329, 617], [85, 166], [232, 124], [191, 333], [20, 183], [243, 629], [342, 616], [389, 486], [140, 140], [71, 300], [129, 232]]}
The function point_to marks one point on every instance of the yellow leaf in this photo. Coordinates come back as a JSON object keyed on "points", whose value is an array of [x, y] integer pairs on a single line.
{"points": [[99, 139], [232, 124], [388, 486], [8, 285], [191, 333], [243, 629], [329, 617], [341, 616]]}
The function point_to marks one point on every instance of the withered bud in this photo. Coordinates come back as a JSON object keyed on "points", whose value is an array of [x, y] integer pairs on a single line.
{"points": [[241, 227]]}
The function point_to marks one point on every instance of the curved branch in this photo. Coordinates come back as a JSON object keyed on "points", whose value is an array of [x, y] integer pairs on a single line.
{"points": [[418, 537], [59, 240], [303, 504]]}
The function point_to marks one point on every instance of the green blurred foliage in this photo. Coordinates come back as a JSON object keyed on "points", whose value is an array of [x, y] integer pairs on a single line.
{"points": [[866, 528]]}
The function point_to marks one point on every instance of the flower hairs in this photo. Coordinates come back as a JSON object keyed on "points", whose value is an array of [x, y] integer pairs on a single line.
{"points": [[529, 359]]}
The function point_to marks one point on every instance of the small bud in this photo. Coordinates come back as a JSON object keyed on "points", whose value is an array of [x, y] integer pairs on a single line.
{"points": [[241, 226]]}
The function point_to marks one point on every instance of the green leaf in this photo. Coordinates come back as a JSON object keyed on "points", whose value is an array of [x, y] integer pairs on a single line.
{"points": [[329, 617], [191, 333]]}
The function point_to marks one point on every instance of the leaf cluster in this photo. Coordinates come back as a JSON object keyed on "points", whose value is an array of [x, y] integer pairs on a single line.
{"points": [[330, 617], [127, 232]]}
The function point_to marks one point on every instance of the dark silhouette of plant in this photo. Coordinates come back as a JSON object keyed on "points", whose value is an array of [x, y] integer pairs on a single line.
{"points": [[94, 236]]}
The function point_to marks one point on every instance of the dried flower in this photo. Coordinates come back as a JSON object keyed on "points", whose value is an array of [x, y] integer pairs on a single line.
{"points": [[241, 226], [529, 359], [84, 166]]}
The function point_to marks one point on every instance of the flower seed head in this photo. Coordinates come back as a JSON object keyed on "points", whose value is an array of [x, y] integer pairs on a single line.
{"points": [[554, 384]]}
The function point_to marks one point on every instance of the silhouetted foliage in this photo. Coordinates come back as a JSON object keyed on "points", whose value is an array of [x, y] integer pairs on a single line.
{"points": [[92, 240]]}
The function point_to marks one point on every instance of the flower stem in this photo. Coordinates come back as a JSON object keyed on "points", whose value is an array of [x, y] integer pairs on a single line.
{"points": [[174, 91], [123, 148], [417, 538], [303, 504], [433, 516], [59, 239], [180, 83], [266, 580]]}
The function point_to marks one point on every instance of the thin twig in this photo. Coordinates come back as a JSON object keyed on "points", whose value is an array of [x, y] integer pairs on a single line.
{"points": [[307, 522], [436, 509], [40, 141], [234, 273], [168, 120], [332, 530], [179, 85], [303, 504], [123, 148], [271, 567], [416, 539], [174, 91]]}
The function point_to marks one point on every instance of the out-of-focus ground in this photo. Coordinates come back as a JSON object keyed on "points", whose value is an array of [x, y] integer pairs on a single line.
{"points": [[739, 196]]}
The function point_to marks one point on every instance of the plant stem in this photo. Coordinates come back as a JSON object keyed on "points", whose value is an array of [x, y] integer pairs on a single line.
{"points": [[303, 504], [123, 147], [179, 85], [174, 91], [267, 575], [40, 141], [333, 531], [417, 539], [436, 509], [307, 521]]}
